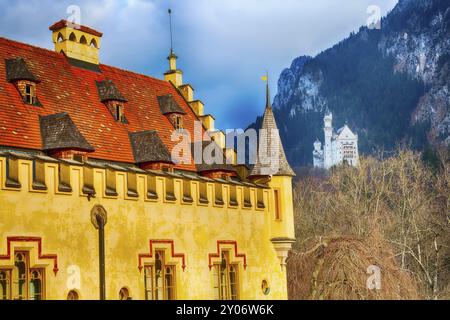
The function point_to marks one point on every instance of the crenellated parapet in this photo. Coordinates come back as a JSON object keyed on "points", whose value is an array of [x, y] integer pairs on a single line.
{"points": [[42, 174]]}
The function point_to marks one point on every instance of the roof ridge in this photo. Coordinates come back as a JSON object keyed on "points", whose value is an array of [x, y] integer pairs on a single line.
{"points": [[30, 46], [56, 54], [135, 73]]}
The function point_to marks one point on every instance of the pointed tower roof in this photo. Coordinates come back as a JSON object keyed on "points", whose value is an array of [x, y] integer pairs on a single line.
{"points": [[275, 162]]}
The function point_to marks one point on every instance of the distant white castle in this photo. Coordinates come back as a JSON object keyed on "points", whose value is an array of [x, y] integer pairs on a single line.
{"points": [[340, 147]]}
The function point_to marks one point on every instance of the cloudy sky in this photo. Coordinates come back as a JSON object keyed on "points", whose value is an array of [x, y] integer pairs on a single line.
{"points": [[224, 46]]}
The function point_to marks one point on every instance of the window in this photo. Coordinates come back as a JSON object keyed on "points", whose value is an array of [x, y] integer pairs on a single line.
{"points": [[124, 294], [83, 40], [30, 93], [22, 282], [118, 115], [276, 195], [94, 43], [178, 122], [73, 295], [5, 284], [36, 281], [225, 279], [159, 279], [72, 37]]}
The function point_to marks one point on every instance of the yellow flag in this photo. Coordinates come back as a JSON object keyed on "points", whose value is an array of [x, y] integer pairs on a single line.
{"points": [[264, 78]]}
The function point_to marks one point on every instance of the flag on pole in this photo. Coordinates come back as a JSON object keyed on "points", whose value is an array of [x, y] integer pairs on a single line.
{"points": [[264, 78]]}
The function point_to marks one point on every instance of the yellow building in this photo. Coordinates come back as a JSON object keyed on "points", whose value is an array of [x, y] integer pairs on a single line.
{"points": [[93, 205]]}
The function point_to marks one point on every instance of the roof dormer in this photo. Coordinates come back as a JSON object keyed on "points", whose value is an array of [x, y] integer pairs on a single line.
{"points": [[113, 99], [26, 82], [61, 138], [170, 108], [150, 152]]}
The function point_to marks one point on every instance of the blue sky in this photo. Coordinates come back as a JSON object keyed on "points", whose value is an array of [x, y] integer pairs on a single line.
{"points": [[224, 46]]}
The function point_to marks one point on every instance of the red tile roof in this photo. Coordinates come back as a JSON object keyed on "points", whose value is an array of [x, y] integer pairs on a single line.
{"points": [[64, 23], [65, 88]]}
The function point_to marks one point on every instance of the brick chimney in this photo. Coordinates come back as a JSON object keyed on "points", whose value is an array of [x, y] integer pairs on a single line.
{"points": [[76, 41]]}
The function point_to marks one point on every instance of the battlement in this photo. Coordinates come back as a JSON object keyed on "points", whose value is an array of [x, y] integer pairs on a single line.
{"points": [[46, 175]]}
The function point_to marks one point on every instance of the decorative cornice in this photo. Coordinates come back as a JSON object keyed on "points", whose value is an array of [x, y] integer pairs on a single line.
{"points": [[172, 250], [236, 254], [41, 256]]}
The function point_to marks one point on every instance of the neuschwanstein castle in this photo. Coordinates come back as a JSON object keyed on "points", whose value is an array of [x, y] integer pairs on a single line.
{"points": [[340, 147]]}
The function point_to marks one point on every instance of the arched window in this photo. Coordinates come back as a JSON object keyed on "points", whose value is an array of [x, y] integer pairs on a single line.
{"points": [[72, 37], [73, 295], [225, 279], [83, 40], [124, 294], [159, 279], [93, 43], [20, 277], [22, 282], [5, 284], [36, 281], [60, 38]]}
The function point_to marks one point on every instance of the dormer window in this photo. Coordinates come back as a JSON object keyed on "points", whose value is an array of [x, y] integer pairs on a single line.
{"points": [[170, 108], [118, 113], [30, 93], [177, 122], [18, 74], [113, 99]]}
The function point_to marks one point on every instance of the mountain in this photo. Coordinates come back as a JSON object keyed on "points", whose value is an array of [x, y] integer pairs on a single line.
{"points": [[389, 85]]}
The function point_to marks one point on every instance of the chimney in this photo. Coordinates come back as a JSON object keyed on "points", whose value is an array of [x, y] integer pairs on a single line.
{"points": [[76, 41]]}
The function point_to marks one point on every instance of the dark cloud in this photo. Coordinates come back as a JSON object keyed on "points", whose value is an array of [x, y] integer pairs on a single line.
{"points": [[224, 46]]}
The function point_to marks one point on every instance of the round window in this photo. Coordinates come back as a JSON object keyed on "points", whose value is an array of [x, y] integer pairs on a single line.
{"points": [[73, 295]]}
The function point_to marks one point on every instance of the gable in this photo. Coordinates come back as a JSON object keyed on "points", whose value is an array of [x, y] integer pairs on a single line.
{"points": [[345, 134]]}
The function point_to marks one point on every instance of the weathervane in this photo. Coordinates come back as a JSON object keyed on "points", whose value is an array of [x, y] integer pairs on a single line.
{"points": [[266, 79]]}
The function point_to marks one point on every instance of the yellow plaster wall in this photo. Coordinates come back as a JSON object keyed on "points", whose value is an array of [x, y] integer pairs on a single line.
{"points": [[283, 228], [208, 122], [63, 221]]}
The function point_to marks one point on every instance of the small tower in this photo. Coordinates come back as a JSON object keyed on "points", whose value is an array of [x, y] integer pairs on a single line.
{"points": [[318, 154], [317, 145], [328, 129], [173, 75], [273, 168], [76, 42]]}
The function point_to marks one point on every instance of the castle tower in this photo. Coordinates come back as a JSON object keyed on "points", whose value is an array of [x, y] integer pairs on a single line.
{"points": [[273, 168], [317, 146], [328, 129], [77, 42]]}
